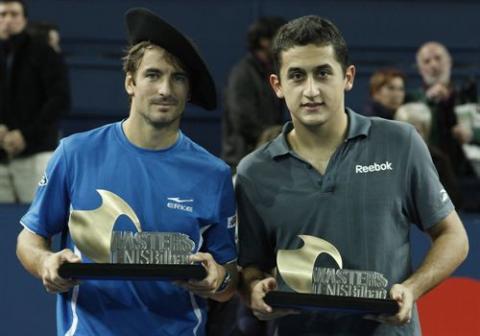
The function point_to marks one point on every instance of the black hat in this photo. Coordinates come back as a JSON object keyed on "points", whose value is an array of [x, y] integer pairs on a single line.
{"points": [[143, 25]]}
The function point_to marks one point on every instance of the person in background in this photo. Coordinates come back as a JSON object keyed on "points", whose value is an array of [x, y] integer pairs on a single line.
{"points": [[34, 96], [250, 105], [387, 93], [434, 64]]}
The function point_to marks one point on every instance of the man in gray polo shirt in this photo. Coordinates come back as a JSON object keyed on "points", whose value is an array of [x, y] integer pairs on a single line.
{"points": [[356, 182]]}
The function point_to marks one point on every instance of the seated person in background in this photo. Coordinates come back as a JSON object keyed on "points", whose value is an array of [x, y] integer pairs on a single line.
{"points": [[387, 93], [440, 94], [419, 115]]}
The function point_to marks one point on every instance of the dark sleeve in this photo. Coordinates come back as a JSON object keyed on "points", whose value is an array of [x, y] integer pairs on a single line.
{"points": [[255, 248], [55, 84], [242, 102], [448, 106], [427, 200]]}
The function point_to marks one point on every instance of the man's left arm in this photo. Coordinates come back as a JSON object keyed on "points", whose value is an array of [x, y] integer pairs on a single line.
{"points": [[449, 249]]}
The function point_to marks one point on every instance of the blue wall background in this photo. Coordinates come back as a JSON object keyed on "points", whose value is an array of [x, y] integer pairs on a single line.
{"points": [[379, 33]]}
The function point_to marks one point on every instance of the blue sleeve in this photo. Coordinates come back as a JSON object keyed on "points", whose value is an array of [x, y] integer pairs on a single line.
{"points": [[219, 239], [48, 214], [428, 201]]}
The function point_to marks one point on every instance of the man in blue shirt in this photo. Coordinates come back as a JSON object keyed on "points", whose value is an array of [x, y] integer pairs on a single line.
{"points": [[141, 174], [358, 183]]}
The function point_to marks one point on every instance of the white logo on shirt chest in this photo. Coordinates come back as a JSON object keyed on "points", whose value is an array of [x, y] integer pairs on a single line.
{"points": [[177, 204], [375, 167]]}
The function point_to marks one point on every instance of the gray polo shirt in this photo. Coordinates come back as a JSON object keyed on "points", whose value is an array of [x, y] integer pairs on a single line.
{"points": [[378, 182]]}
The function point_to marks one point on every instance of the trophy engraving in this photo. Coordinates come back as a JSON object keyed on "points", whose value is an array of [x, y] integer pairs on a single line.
{"points": [[167, 248], [352, 283]]}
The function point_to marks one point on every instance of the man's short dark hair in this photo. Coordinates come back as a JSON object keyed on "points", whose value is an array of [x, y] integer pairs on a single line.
{"points": [[309, 30], [264, 28], [134, 55], [21, 2]]}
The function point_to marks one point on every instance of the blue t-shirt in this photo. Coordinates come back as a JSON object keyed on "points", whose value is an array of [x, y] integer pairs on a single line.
{"points": [[179, 189]]}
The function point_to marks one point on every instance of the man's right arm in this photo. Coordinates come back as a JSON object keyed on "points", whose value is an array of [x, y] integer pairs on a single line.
{"points": [[254, 287], [36, 256]]}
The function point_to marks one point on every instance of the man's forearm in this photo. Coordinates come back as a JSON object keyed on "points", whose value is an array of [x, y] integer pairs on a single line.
{"points": [[32, 251], [449, 249]]}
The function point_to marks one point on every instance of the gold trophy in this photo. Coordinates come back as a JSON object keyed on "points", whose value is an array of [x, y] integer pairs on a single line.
{"points": [[328, 288], [128, 255]]}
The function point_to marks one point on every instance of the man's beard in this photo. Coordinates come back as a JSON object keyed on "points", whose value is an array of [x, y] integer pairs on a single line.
{"points": [[161, 124], [442, 78]]}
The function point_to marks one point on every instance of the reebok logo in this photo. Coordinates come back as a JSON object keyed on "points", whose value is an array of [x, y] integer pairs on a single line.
{"points": [[375, 167], [176, 203]]}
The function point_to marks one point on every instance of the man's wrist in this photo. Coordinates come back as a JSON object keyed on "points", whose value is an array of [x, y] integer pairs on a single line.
{"points": [[414, 290], [42, 263], [227, 279]]}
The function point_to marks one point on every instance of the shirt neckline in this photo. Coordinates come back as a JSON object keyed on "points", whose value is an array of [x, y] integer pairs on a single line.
{"points": [[358, 125], [122, 137]]}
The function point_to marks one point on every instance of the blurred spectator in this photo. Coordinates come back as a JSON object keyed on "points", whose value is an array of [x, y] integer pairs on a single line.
{"points": [[34, 94], [420, 116], [250, 103], [439, 93], [387, 93], [46, 32]]}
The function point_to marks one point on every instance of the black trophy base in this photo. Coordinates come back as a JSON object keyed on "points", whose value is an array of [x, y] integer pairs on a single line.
{"points": [[131, 271], [317, 302]]}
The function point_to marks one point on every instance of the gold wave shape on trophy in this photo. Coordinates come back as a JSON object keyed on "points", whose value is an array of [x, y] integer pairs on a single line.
{"points": [[91, 230], [296, 266]]}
